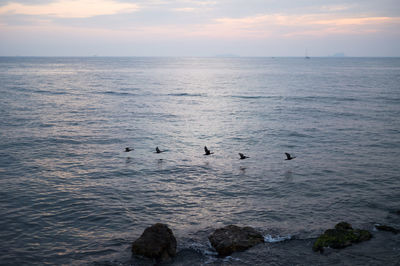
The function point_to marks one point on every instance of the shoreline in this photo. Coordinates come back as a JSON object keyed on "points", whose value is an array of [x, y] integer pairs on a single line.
{"points": [[382, 249]]}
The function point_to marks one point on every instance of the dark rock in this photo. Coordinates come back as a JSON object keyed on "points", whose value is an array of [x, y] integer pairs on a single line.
{"points": [[157, 242], [362, 235], [343, 226], [233, 238], [387, 228], [342, 236]]}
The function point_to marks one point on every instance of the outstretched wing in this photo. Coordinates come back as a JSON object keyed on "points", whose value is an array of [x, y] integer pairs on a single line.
{"points": [[287, 155], [241, 155]]}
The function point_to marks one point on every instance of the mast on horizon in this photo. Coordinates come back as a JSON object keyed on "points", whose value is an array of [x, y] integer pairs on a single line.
{"points": [[306, 56]]}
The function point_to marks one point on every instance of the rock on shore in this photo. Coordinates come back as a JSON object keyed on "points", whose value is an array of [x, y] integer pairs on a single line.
{"points": [[341, 236], [387, 228], [233, 238], [157, 242]]}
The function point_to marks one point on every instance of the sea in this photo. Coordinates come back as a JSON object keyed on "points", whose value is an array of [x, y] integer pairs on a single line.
{"points": [[71, 195]]}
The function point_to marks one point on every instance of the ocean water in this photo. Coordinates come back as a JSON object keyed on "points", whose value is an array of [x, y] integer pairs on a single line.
{"points": [[69, 194]]}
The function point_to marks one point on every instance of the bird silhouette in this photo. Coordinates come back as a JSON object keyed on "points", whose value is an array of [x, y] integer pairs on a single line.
{"points": [[288, 156], [242, 156], [207, 151], [158, 150], [127, 149]]}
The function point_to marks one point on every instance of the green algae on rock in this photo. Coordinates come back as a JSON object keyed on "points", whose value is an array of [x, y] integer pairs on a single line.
{"points": [[341, 236]]}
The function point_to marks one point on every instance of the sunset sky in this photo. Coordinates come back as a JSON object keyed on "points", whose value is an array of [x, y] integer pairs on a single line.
{"points": [[199, 28]]}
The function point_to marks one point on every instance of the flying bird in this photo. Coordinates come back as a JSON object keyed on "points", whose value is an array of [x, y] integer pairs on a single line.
{"points": [[127, 149], [288, 156], [207, 151], [242, 156], [158, 150]]}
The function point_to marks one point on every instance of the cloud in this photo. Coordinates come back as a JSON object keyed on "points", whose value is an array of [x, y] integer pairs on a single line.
{"points": [[263, 26], [201, 3], [295, 25], [336, 8], [357, 21], [302, 20], [70, 9], [193, 19], [184, 9]]}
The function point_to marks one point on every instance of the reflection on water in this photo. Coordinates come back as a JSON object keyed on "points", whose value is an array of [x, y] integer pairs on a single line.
{"points": [[66, 182], [242, 170], [288, 176]]}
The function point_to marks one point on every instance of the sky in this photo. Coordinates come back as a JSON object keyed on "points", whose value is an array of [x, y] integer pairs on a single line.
{"points": [[199, 28]]}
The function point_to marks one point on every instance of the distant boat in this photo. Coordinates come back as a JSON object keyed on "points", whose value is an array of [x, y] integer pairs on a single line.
{"points": [[306, 56]]}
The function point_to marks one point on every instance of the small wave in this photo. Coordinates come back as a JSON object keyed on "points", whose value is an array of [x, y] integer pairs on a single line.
{"points": [[46, 125], [299, 135], [116, 93], [254, 97], [20, 89], [187, 94], [230, 258], [271, 239], [206, 250], [388, 98], [321, 98], [50, 92]]}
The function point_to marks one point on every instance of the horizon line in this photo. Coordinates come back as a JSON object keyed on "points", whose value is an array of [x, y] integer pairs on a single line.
{"points": [[198, 56]]}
